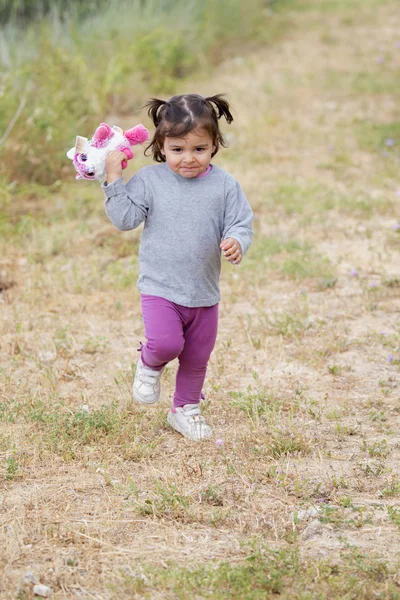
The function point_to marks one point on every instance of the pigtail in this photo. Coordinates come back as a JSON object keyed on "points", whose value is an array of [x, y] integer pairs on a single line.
{"points": [[185, 113], [221, 107], [155, 108]]}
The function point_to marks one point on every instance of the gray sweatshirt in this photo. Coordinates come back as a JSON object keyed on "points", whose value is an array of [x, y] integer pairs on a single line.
{"points": [[185, 221]]}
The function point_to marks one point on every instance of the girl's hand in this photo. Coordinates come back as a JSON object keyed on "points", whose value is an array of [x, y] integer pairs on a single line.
{"points": [[232, 250], [114, 166]]}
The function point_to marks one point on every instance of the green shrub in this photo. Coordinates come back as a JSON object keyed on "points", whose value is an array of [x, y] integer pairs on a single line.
{"points": [[61, 75]]}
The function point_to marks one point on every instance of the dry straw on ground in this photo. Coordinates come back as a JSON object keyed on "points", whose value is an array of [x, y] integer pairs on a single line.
{"points": [[304, 384]]}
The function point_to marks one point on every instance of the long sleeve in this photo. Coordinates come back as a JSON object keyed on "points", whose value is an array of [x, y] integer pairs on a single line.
{"points": [[238, 217], [126, 204]]}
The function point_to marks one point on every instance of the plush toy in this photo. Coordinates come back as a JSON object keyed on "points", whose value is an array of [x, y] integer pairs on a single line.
{"points": [[89, 156]]}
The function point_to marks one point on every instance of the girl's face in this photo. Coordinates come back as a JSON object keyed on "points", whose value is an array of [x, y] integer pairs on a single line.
{"points": [[190, 155]]}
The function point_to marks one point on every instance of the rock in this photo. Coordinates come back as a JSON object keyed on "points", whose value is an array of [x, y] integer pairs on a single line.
{"points": [[311, 511], [47, 355], [42, 590], [312, 530]]}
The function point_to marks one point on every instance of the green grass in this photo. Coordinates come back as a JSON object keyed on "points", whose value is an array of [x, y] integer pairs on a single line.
{"points": [[68, 432], [166, 501], [291, 258], [255, 402], [310, 200], [378, 137], [367, 83], [347, 9], [268, 573]]}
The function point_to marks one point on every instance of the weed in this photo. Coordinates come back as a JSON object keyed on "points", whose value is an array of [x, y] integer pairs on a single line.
{"points": [[266, 573], [335, 370], [12, 467], [377, 415], [290, 324], [96, 344], [64, 342], [212, 496], [166, 500], [256, 402], [10, 410], [309, 266], [122, 276], [378, 448], [372, 469], [392, 487], [334, 413], [67, 431], [344, 430], [327, 283], [393, 283], [288, 442], [374, 137], [315, 409], [394, 515], [345, 501]]}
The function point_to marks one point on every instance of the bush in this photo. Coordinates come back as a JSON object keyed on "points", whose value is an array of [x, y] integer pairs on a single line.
{"points": [[70, 72]]}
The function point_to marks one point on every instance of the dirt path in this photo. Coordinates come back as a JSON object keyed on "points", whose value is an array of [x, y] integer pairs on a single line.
{"points": [[304, 385]]}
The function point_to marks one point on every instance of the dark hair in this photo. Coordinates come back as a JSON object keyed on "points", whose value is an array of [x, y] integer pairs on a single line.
{"points": [[181, 114]]}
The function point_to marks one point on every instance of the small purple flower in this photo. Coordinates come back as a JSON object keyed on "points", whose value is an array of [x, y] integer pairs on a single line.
{"points": [[398, 192], [380, 60], [353, 273], [373, 284], [219, 443], [398, 45], [396, 226], [390, 358], [390, 142]]}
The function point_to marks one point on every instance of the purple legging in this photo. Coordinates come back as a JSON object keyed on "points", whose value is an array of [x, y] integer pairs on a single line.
{"points": [[175, 331]]}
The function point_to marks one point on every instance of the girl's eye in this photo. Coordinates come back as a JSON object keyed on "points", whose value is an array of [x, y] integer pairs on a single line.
{"points": [[84, 157], [199, 149]]}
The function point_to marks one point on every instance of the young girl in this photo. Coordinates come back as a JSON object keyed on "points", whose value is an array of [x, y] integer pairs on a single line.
{"points": [[191, 210]]}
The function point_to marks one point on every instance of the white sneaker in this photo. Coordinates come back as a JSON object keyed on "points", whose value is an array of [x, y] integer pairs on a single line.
{"points": [[189, 422], [147, 384]]}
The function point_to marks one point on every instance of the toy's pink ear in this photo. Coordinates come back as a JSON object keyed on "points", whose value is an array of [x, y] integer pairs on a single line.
{"points": [[137, 135], [103, 132]]}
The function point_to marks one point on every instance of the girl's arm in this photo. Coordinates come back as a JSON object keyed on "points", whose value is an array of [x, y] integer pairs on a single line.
{"points": [[126, 204], [237, 233]]}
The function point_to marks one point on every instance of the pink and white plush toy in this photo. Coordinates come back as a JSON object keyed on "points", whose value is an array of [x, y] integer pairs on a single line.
{"points": [[89, 156]]}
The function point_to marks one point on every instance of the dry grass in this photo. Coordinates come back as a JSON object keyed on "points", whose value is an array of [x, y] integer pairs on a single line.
{"points": [[99, 498]]}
